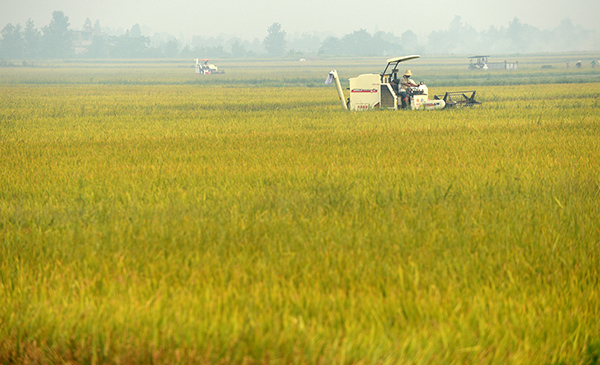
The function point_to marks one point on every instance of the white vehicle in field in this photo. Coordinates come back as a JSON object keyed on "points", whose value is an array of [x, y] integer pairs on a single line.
{"points": [[205, 68], [382, 91]]}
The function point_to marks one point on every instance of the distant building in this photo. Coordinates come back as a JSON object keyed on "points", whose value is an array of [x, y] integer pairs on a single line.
{"points": [[82, 40]]}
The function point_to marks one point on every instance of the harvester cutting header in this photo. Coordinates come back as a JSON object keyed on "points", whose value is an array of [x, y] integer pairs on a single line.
{"points": [[388, 90]]}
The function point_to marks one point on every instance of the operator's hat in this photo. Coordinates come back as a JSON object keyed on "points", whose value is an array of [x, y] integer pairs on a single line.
{"points": [[408, 73]]}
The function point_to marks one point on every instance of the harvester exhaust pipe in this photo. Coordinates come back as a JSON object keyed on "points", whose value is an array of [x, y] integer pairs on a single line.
{"points": [[333, 76]]}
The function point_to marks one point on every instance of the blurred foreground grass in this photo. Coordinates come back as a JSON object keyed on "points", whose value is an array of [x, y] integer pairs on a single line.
{"points": [[182, 224]]}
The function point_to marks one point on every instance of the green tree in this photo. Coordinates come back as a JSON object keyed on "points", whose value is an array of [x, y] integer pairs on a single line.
{"points": [[32, 40], [170, 49], [275, 40], [87, 25], [100, 47], [410, 42], [97, 27], [12, 42], [307, 43], [361, 43], [57, 36], [568, 37], [126, 46], [237, 49], [135, 31], [358, 43], [331, 46]]}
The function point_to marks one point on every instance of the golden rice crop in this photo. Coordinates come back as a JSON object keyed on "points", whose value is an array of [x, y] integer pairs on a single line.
{"points": [[195, 223]]}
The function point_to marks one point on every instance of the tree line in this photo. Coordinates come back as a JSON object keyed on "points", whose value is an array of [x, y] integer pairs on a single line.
{"points": [[58, 41]]}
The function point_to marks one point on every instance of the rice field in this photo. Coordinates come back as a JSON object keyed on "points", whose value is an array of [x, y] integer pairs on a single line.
{"points": [[151, 216]]}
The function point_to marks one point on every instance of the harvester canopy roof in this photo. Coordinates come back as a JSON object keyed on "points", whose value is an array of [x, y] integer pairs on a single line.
{"points": [[395, 62], [402, 59]]}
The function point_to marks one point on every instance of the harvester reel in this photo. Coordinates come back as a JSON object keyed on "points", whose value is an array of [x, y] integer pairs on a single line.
{"points": [[458, 98]]}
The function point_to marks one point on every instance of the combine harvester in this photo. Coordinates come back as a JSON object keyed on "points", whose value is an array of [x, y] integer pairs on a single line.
{"points": [[206, 68], [382, 91]]}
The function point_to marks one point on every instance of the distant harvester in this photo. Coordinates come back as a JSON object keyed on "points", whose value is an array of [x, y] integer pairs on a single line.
{"points": [[205, 68], [481, 63]]}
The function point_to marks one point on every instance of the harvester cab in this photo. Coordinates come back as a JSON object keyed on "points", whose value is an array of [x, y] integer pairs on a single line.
{"points": [[382, 91]]}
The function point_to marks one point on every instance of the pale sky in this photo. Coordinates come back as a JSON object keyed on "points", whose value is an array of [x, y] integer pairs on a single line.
{"points": [[250, 19]]}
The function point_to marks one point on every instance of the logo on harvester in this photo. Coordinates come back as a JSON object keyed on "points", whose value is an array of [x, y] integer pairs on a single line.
{"points": [[370, 91]]}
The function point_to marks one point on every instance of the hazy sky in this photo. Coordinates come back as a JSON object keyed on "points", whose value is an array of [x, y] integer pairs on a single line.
{"points": [[250, 18]]}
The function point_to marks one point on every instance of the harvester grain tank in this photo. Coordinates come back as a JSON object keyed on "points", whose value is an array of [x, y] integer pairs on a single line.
{"points": [[383, 91]]}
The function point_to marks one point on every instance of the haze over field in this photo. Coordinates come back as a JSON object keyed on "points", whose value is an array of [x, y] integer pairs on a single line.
{"points": [[250, 20]]}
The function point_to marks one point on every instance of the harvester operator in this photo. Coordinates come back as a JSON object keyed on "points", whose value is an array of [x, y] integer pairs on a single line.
{"points": [[405, 83]]}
